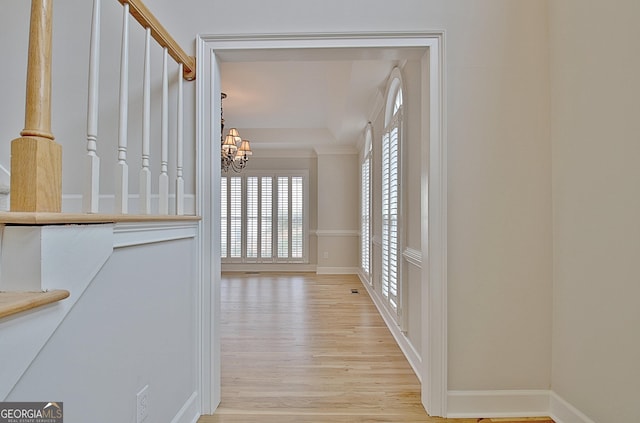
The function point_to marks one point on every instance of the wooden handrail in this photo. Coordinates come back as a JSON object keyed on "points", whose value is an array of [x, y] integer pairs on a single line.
{"points": [[139, 11]]}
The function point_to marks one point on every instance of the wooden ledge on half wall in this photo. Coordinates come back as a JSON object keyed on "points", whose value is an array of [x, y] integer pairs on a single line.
{"points": [[16, 302], [29, 218]]}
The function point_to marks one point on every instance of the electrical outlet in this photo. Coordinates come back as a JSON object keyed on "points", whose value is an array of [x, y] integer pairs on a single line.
{"points": [[142, 405], [325, 255]]}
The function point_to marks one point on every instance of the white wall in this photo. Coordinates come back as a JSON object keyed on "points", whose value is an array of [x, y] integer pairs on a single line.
{"points": [[594, 130], [134, 325], [14, 41]]}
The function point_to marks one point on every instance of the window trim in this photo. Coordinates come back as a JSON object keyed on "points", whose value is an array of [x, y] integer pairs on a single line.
{"points": [[395, 87], [367, 158], [243, 259]]}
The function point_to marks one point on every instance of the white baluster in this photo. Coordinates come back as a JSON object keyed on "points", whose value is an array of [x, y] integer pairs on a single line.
{"points": [[92, 188], [163, 207], [122, 171], [180, 159], [145, 172]]}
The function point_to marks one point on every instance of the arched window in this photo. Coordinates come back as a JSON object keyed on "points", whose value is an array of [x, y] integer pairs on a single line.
{"points": [[365, 205], [391, 144]]}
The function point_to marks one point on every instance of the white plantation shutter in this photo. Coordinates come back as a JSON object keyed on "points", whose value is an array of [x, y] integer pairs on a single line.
{"points": [[252, 217], [297, 217], [390, 206], [235, 211], [223, 216], [266, 213], [365, 238], [263, 218], [283, 217]]}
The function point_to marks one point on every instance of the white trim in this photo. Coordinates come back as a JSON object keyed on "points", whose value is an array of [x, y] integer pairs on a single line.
{"points": [[562, 412], [434, 172], [320, 40], [507, 403], [268, 267], [395, 85], [130, 234], [365, 278], [434, 235], [207, 206], [337, 270], [413, 257], [407, 348], [189, 413], [72, 203], [335, 232]]}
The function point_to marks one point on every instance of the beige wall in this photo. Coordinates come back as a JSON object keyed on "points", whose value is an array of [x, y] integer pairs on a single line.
{"points": [[338, 210], [499, 161], [499, 221], [497, 126], [595, 92], [412, 146]]}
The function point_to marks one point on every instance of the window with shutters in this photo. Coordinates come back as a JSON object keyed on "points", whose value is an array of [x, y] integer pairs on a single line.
{"points": [[390, 276], [365, 207], [264, 218]]}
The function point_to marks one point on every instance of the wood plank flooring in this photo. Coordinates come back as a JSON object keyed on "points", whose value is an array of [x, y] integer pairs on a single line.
{"points": [[302, 348]]}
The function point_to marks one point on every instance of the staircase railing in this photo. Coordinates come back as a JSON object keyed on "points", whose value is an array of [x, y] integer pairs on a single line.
{"points": [[36, 159]]}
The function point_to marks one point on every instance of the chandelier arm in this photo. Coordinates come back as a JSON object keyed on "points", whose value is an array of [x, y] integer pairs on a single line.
{"points": [[228, 158]]}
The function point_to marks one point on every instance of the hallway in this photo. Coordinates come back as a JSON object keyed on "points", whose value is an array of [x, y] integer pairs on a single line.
{"points": [[304, 348]]}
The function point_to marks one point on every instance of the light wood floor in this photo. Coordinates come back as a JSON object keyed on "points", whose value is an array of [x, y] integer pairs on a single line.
{"points": [[302, 348]]}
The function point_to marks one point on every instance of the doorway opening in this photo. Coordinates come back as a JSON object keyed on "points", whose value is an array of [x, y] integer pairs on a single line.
{"points": [[215, 50]]}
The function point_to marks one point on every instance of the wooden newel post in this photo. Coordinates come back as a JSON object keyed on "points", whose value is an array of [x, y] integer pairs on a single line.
{"points": [[36, 160]]}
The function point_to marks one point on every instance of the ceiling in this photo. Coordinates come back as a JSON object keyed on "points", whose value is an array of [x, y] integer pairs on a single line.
{"points": [[306, 98]]}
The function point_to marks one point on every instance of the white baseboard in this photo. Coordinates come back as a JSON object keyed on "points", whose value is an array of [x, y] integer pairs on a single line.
{"points": [[563, 412], [337, 270], [413, 357], [189, 413], [503, 403], [268, 267]]}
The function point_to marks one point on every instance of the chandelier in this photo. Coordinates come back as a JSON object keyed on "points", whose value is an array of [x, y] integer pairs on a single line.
{"points": [[234, 151]]}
